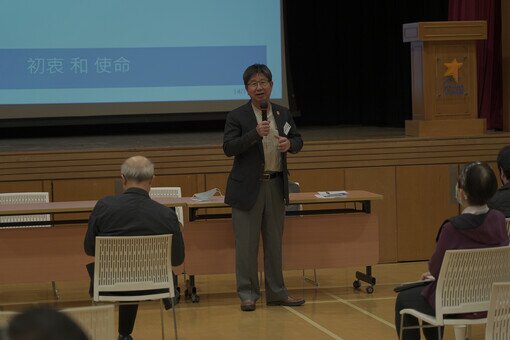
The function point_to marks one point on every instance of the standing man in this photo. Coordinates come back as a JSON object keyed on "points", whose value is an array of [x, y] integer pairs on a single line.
{"points": [[133, 213], [501, 199], [259, 134]]}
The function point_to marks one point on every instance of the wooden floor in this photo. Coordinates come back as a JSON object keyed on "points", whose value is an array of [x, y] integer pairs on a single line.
{"points": [[334, 310]]}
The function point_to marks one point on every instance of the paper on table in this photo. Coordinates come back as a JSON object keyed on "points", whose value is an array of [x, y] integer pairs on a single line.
{"points": [[331, 194]]}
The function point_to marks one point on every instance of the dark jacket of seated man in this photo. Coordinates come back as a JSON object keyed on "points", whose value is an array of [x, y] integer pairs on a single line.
{"points": [[501, 200], [132, 213]]}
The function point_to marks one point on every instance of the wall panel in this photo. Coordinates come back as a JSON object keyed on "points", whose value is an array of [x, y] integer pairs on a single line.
{"points": [[380, 180], [189, 184], [415, 175], [81, 190], [21, 186], [423, 202], [319, 180]]}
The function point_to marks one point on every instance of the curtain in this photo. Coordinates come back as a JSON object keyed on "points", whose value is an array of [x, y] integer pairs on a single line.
{"points": [[489, 56], [347, 61]]}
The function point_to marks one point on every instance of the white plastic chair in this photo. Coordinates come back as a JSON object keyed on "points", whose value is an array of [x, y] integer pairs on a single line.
{"points": [[464, 286], [25, 198], [97, 321], [134, 263], [498, 317], [169, 192]]}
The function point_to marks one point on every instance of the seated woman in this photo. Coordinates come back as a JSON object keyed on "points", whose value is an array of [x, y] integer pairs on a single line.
{"points": [[477, 227]]}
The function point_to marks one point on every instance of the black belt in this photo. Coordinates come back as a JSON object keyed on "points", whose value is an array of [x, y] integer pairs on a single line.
{"points": [[269, 175]]}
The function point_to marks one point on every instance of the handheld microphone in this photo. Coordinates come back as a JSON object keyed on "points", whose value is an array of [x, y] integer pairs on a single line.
{"points": [[263, 107]]}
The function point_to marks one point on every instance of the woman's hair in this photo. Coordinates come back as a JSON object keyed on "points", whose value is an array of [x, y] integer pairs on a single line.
{"points": [[478, 182]]}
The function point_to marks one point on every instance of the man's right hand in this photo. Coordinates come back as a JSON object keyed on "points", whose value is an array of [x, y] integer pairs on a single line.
{"points": [[263, 128]]}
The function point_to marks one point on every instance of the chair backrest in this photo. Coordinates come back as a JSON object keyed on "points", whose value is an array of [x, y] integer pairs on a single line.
{"points": [[508, 226], [133, 263], [25, 198], [294, 188], [466, 278], [97, 321], [498, 317], [169, 192]]}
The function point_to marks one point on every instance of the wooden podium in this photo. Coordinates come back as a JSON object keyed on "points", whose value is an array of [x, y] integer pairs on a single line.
{"points": [[443, 62]]}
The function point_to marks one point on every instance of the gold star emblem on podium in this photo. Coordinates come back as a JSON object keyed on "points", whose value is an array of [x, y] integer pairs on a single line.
{"points": [[453, 69]]}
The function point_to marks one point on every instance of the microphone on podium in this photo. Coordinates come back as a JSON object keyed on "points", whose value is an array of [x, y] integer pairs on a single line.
{"points": [[263, 107]]}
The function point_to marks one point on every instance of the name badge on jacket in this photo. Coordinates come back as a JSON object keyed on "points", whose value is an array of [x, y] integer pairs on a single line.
{"points": [[286, 128]]}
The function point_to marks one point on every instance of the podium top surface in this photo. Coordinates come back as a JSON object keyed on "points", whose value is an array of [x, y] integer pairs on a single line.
{"points": [[444, 31]]}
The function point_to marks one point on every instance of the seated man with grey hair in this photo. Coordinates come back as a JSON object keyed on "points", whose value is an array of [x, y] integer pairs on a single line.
{"points": [[133, 213]]}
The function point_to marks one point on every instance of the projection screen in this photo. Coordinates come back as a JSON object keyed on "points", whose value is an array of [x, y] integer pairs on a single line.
{"points": [[76, 58]]}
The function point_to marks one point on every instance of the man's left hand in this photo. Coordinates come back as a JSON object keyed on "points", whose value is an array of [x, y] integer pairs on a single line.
{"points": [[283, 143]]}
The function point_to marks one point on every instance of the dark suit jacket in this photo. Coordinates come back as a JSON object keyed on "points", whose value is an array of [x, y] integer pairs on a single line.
{"points": [[501, 200], [133, 213], [242, 141]]}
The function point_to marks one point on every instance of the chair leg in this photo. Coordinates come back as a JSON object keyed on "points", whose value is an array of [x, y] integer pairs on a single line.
{"points": [[56, 293], [313, 281], [175, 319], [460, 332], [401, 326], [162, 320]]}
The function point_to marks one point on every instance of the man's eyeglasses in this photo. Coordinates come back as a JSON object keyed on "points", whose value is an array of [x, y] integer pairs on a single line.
{"points": [[262, 83]]}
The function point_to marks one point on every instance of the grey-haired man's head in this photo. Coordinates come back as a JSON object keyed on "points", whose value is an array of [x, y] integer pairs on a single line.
{"points": [[137, 171]]}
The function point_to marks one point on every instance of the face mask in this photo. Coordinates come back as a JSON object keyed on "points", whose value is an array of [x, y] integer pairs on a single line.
{"points": [[206, 195]]}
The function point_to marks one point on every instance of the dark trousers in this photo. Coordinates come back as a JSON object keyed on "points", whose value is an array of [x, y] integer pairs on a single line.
{"points": [[412, 298], [127, 317], [265, 218]]}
